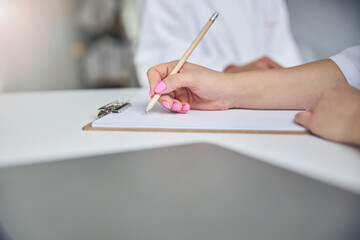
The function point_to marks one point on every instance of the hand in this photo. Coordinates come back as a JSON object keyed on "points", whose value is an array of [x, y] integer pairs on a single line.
{"points": [[260, 64], [194, 86], [336, 116]]}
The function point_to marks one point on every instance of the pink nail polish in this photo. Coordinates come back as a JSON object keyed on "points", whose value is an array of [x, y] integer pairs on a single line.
{"points": [[176, 107], [307, 109], [160, 87], [185, 107], [165, 104]]}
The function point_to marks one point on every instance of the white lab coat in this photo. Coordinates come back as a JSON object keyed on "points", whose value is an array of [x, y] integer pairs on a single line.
{"points": [[244, 31], [349, 63]]}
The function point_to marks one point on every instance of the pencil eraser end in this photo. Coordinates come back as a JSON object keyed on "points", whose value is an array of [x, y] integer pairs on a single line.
{"points": [[214, 16]]}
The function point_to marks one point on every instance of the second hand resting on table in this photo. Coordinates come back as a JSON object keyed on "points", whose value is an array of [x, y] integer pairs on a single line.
{"points": [[259, 64], [301, 87]]}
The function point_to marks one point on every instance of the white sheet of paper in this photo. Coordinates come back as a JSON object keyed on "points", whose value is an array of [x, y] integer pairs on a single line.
{"points": [[234, 119]]}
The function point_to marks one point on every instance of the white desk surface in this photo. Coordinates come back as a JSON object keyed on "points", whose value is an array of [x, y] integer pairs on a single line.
{"points": [[46, 126]]}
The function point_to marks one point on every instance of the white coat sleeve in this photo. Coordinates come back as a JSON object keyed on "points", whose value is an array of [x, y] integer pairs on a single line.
{"points": [[349, 63]]}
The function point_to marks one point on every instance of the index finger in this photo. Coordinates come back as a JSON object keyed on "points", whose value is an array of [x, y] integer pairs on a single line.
{"points": [[157, 73]]}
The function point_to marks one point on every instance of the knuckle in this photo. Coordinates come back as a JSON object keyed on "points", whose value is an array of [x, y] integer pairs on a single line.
{"points": [[328, 93], [149, 71]]}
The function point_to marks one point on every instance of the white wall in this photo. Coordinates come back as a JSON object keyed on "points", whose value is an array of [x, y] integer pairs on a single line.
{"points": [[35, 45]]}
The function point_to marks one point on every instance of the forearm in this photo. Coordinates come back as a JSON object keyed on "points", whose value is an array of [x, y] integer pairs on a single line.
{"points": [[291, 88], [352, 134], [355, 133]]}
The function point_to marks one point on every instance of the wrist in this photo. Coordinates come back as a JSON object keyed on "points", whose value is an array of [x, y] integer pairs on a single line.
{"points": [[237, 90]]}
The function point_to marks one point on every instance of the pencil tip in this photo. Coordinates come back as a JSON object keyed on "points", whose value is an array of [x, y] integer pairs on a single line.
{"points": [[146, 112]]}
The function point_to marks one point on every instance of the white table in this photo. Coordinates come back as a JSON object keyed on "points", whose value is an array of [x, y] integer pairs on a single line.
{"points": [[46, 126]]}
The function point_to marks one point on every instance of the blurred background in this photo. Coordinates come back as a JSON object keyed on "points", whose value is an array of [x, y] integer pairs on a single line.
{"points": [[81, 44]]}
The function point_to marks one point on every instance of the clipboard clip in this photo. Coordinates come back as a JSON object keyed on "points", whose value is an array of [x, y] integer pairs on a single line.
{"points": [[114, 107]]}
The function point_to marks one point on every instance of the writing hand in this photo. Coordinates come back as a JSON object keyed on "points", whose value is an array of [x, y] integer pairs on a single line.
{"points": [[194, 86]]}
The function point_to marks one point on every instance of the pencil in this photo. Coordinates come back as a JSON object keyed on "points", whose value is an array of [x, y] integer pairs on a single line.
{"points": [[185, 57]]}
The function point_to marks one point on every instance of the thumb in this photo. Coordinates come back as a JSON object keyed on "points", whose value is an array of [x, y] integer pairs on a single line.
{"points": [[175, 81], [303, 118]]}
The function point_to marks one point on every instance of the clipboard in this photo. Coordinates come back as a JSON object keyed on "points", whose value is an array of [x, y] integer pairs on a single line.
{"points": [[130, 116]]}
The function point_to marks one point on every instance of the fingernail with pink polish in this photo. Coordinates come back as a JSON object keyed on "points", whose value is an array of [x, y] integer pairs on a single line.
{"points": [[185, 107], [306, 110], [165, 104], [160, 87], [176, 107]]}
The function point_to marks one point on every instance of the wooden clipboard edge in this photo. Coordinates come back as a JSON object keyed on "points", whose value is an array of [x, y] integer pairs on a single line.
{"points": [[89, 127]]}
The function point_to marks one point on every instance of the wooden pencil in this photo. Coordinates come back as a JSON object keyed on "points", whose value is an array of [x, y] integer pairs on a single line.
{"points": [[186, 55]]}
